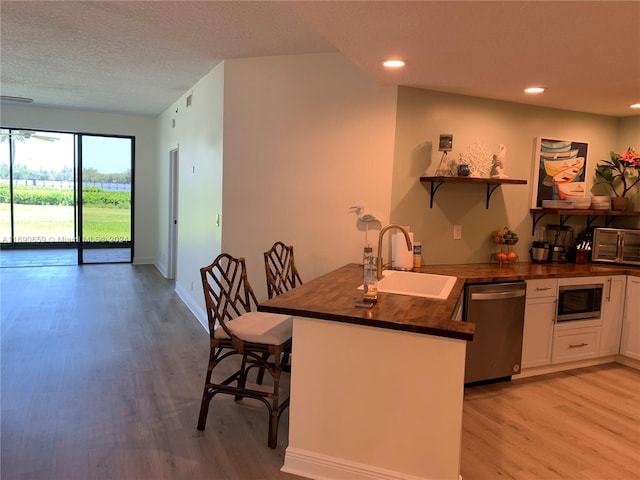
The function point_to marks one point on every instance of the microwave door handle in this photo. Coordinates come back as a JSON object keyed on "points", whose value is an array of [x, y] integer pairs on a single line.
{"points": [[619, 246], [609, 281]]}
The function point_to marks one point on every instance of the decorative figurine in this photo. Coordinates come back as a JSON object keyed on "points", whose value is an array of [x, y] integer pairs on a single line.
{"points": [[500, 162], [365, 218]]}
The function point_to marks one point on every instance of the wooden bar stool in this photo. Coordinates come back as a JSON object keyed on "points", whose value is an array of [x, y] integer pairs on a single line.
{"points": [[260, 340]]}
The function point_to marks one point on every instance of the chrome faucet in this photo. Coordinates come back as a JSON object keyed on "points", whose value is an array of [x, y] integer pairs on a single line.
{"points": [[379, 264]]}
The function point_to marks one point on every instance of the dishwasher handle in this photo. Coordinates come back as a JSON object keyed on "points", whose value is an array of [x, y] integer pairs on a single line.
{"points": [[497, 295]]}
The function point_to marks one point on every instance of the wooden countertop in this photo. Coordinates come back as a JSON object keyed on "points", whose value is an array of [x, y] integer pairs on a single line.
{"points": [[493, 272], [332, 296]]}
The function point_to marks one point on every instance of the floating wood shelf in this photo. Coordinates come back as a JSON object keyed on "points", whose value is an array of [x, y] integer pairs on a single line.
{"points": [[567, 213], [491, 183]]}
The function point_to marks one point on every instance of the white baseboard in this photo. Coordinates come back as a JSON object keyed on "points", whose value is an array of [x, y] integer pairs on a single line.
{"points": [[628, 361], [197, 311], [533, 371], [323, 467], [161, 268], [143, 261]]}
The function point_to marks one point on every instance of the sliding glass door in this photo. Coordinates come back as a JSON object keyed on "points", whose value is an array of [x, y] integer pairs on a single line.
{"points": [[67, 190], [37, 188], [106, 216]]}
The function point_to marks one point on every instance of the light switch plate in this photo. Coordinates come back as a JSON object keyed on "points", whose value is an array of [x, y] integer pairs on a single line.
{"points": [[457, 232]]}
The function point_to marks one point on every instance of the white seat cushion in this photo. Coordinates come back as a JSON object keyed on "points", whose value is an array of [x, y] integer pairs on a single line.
{"points": [[259, 327]]}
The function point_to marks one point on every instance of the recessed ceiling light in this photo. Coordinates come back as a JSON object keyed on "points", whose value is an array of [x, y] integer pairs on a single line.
{"points": [[393, 63], [534, 90], [8, 98], [635, 105]]}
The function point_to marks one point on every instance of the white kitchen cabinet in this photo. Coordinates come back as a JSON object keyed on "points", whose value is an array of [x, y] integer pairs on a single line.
{"points": [[612, 312], [575, 344], [630, 342], [539, 317]]}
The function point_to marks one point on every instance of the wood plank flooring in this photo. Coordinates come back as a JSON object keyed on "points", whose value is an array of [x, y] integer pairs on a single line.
{"points": [[102, 368], [102, 372], [579, 424]]}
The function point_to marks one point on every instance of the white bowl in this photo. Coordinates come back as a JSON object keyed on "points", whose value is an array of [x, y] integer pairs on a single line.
{"points": [[561, 204], [581, 202]]}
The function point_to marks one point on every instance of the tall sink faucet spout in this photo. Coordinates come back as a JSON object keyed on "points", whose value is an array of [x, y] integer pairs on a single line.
{"points": [[379, 263]]}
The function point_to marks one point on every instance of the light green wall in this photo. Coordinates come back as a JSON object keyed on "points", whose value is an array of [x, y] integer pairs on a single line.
{"points": [[629, 133], [423, 115]]}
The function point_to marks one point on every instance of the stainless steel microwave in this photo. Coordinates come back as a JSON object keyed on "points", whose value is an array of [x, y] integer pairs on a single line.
{"points": [[616, 245], [579, 302]]}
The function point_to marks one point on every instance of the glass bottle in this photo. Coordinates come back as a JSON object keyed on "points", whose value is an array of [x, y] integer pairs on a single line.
{"points": [[370, 281]]}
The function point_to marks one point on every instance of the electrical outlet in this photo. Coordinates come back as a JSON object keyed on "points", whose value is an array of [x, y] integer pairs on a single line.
{"points": [[457, 232]]}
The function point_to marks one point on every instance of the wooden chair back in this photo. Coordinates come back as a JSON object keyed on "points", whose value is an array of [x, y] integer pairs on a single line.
{"points": [[280, 268], [227, 291]]}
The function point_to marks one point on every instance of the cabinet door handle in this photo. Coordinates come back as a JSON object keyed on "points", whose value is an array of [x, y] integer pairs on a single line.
{"points": [[610, 281], [578, 345], [542, 289]]}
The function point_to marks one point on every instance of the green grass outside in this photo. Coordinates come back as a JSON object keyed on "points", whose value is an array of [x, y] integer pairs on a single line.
{"points": [[48, 223]]}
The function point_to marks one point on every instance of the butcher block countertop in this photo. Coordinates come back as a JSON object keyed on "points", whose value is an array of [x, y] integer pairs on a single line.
{"points": [[333, 296], [493, 272]]}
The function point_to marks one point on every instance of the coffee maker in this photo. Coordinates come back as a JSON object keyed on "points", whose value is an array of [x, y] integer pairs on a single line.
{"points": [[540, 251], [560, 239]]}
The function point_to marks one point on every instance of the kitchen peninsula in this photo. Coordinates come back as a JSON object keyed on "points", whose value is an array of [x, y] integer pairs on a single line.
{"points": [[377, 393]]}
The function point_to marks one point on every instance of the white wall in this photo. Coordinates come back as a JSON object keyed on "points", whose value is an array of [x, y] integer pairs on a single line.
{"points": [[423, 115], [198, 137], [141, 127], [305, 138]]}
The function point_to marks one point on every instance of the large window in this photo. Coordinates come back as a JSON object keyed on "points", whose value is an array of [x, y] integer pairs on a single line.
{"points": [[66, 189]]}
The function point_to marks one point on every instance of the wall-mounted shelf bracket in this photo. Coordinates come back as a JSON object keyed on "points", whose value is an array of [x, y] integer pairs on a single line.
{"points": [[490, 189], [435, 185], [566, 214], [491, 183], [536, 218]]}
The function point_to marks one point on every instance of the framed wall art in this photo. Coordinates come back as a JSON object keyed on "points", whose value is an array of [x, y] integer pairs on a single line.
{"points": [[559, 170]]}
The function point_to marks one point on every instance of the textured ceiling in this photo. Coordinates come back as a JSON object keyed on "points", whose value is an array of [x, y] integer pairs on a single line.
{"points": [[135, 57], [139, 57]]}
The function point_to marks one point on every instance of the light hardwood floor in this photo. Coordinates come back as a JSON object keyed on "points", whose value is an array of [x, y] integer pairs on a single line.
{"points": [[102, 371], [582, 424]]}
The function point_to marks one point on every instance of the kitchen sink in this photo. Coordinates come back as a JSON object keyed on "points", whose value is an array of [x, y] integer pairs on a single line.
{"points": [[414, 284]]}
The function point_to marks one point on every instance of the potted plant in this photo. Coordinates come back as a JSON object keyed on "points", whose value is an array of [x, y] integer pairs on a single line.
{"points": [[622, 173]]}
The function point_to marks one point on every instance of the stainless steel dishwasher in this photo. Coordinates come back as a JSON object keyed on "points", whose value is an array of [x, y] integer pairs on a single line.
{"points": [[497, 309]]}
